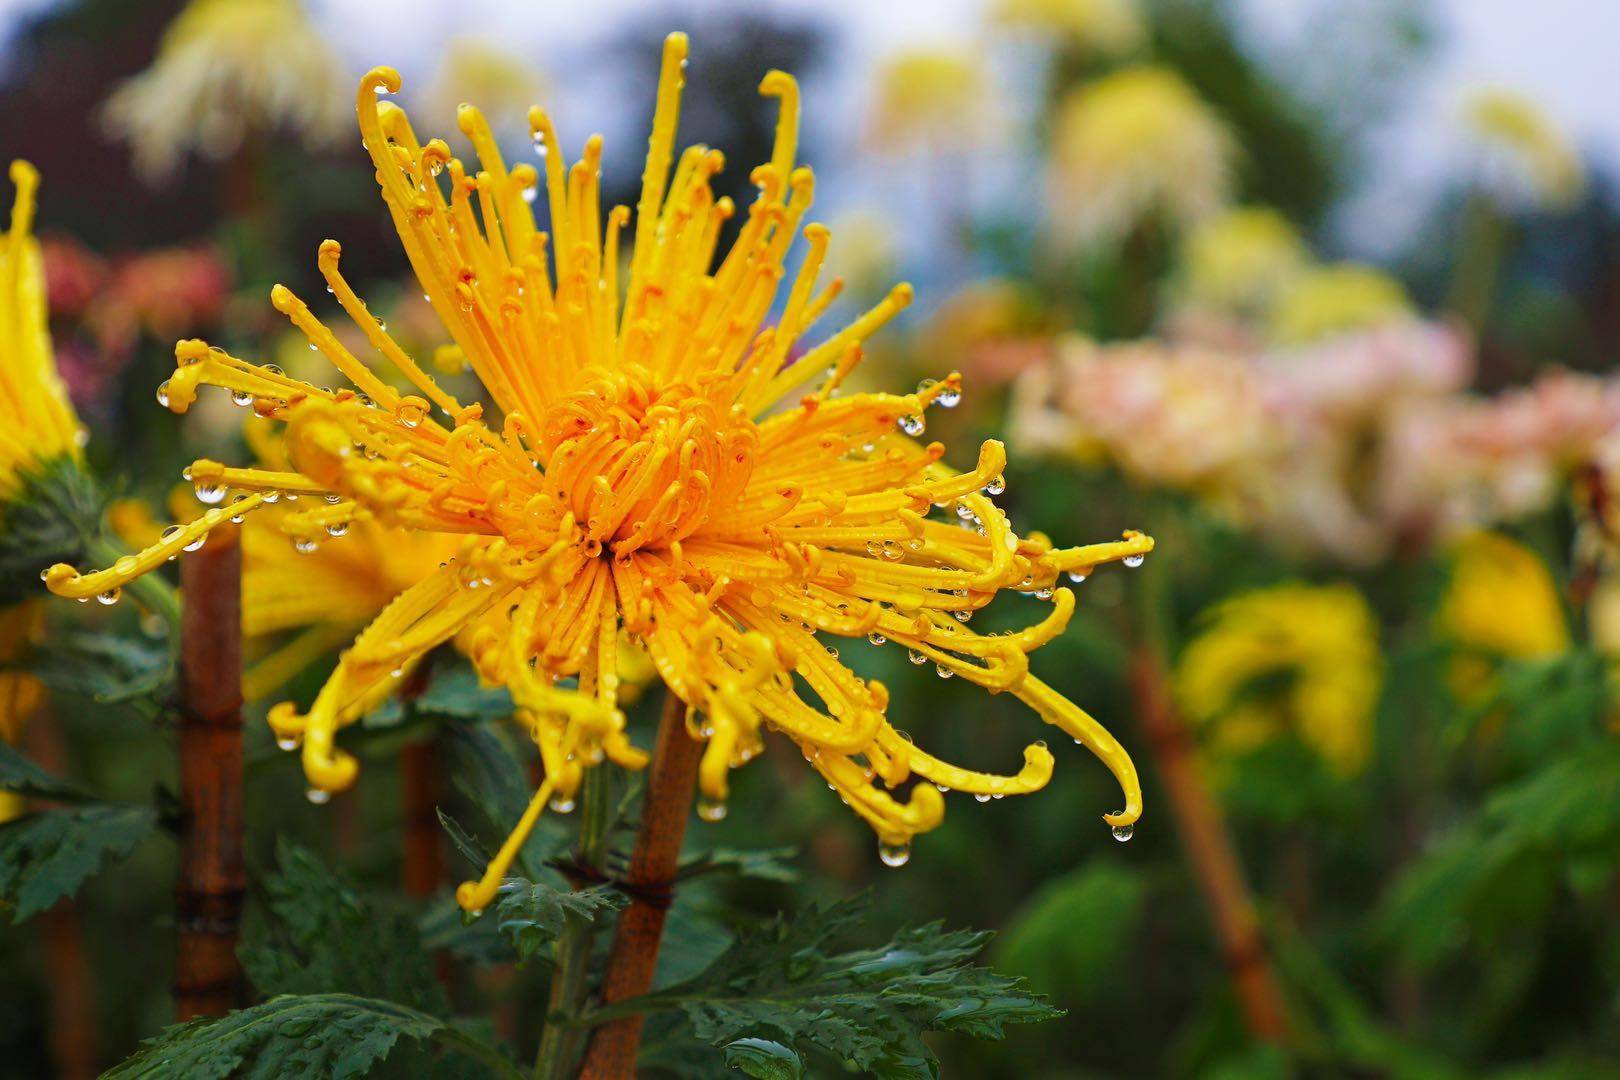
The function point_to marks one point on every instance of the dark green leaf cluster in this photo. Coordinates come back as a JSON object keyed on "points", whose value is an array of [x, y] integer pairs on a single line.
{"points": [[57, 507]]}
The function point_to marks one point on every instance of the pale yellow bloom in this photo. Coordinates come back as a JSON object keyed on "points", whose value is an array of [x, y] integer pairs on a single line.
{"points": [[659, 459], [1237, 261], [1326, 301], [930, 99], [503, 82], [1108, 28], [1502, 601], [228, 71], [1135, 145], [1289, 659], [1525, 154]]}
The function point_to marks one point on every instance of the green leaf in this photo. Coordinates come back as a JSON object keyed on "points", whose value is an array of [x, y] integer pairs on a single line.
{"points": [[1074, 931], [764, 1059], [50, 854], [769, 864], [330, 939], [108, 668], [786, 983], [456, 694], [336, 1036], [533, 913], [18, 774], [55, 508]]}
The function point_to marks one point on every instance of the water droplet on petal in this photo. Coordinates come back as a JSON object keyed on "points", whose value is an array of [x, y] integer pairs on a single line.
{"points": [[1077, 576], [981, 798], [913, 425], [711, 809], [996, 486], [209, 493], [1123, 833], [318, 796], [894, 854], [876, 638], [337, 529], [561, 804], [287, 742], [1133, 561], [163, 393], [916, 657], [109, 597]]}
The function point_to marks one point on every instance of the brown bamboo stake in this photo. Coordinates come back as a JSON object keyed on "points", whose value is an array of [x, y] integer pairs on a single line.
{"points": [[422, 869], [1208, 844], [671, 784], [207, 979]]}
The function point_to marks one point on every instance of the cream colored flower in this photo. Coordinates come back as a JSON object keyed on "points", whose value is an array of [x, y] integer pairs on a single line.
{"points": [[227, 70], [1135, 145], [503, 82]]}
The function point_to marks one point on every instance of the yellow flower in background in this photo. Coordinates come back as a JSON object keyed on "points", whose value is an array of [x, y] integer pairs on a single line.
{"points": [[228, 72], [1501, 601], [1108, 28], [503, 82], [1526, 157], [1326, 301], [666, 463], [866, 262], [930, 99], [1135, 145], [1289, 659], [37, 423], [1238, 261]]}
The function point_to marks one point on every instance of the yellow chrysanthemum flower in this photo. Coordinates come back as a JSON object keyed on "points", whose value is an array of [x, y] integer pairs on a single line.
{"points": [[1238, 260], [657, 466], [1526, 157], [1105, 27], [1136, 144], [1325, 301], [227, 72], [1294, 658], [930, 99], [1501, 601]]}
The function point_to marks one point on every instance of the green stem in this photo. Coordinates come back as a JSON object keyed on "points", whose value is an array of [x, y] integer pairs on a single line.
{"points": [[1483, 243], [154, 593], [559, 1043]]}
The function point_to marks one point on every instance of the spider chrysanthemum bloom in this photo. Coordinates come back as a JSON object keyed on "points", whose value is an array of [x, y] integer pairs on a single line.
{"points": [[1237, 261], [227, 72], [1135, 145], [667, 461], [1290, 659]]}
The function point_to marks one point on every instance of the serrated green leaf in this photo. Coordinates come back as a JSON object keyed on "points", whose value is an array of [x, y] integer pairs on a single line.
{"points": [[532, 914], [337, 1036], [787, 983], [19, 775], [769, 864], [108, 668], [764, 1059], [1073, 932], [464, 841], [48, 855], [456, 694], [328, 938]]}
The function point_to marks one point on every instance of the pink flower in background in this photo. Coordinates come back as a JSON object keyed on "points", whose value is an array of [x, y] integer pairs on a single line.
{"points": [[164, 293], [1355, 377], [74, 275]]}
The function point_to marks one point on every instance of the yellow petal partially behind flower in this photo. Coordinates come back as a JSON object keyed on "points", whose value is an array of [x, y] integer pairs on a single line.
{"points": [[1525, 155], [667, 462], [1326, 301], [1134, 145], [37, 424], [228, 71], [1290, 659]]}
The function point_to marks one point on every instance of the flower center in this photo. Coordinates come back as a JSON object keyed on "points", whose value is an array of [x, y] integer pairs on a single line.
{"points": [[641, 464]]}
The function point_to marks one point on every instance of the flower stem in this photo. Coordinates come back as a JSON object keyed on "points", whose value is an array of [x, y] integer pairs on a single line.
{"points": [[1202, 826], [671, 784], [207, 978], [559, 1043]]}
